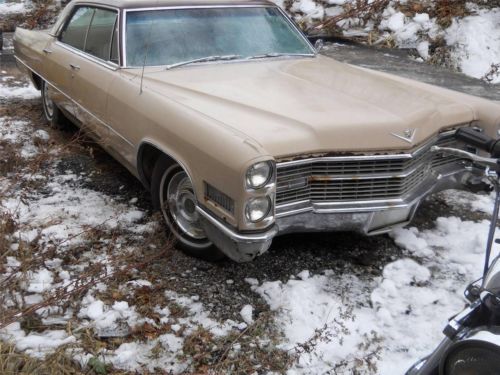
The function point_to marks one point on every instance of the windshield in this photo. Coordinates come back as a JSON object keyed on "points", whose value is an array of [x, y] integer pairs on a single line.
{"points": [[174, 36]]}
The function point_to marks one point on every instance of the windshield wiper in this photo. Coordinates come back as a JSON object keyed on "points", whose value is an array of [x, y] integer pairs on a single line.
{"points": [[276, 54], [204, 59]]}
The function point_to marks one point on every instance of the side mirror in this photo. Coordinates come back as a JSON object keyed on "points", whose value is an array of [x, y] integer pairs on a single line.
{"points": [[318, 45]]}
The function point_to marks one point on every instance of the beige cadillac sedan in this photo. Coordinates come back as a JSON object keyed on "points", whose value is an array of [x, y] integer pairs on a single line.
{"points": [[236, 125]]}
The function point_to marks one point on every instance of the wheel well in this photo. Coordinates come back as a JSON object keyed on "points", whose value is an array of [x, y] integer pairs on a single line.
{"points": [[146, 160], [37, 81]]}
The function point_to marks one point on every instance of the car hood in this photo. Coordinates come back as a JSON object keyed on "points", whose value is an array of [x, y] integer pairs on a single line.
{"points": [[311, 105]]}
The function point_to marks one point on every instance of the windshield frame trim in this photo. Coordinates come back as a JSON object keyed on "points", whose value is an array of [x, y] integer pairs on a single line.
{"points": [[124, 26]]}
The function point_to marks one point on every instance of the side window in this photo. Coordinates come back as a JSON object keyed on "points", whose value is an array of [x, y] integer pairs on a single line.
{"points": [[100, 35], [75, 31]]}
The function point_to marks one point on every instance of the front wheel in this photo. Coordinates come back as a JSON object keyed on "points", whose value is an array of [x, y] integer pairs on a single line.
{"points": [[52, 113], [172, 193]]}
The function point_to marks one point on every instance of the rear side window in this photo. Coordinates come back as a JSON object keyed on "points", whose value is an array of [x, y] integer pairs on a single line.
{"points": [[75, 31], [100, 35]]}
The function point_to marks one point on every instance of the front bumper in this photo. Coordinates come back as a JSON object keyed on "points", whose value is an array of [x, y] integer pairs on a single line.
{"points": [[240, 247], [368, 217]]}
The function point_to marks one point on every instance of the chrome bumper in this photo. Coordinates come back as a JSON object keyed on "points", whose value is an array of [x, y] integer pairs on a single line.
{"points": [[368, 217], [240, 247]]}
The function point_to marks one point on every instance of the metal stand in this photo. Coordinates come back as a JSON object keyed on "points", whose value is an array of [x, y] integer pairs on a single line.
{"points": [[493, 227]]}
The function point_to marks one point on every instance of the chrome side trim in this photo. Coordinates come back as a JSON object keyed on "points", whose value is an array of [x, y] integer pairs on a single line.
{"points": [[343, 158], [107, 64], [235, 236], [167, 151], [403, 155], [78, 104]]}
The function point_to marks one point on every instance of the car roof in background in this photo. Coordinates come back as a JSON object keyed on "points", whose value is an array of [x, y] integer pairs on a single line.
{"points": [[133, 4]]}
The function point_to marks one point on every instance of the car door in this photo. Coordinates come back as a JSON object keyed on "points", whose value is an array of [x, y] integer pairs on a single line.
{"points": [[60, 55], [94, 68]]}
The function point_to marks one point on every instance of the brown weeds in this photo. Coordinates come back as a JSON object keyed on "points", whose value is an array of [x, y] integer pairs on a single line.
{"points": [[360, 9], [57, 363]]}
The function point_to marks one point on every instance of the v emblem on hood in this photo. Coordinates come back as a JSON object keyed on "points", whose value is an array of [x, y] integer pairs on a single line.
{"points": [[407, 136]]}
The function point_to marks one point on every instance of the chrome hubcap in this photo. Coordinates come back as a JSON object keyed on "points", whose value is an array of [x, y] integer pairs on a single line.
{"points": [[48, 104], [180, 201]]}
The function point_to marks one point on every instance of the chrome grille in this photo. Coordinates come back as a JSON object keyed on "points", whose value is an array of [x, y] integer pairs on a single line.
{"points": [[344, 180]]}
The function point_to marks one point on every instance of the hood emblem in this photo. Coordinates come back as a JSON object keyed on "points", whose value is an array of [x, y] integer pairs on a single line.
{"points": [[407, 136]]}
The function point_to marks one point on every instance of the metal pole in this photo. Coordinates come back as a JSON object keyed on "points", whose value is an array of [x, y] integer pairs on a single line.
{"points": [[493, 227]]}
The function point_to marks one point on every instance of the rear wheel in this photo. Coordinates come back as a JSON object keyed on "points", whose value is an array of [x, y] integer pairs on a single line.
{"points": [[50, 110], [173, 194]]}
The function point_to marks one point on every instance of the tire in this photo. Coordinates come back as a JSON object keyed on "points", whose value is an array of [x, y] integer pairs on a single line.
{"points": [[171, 185], [51, 112]]}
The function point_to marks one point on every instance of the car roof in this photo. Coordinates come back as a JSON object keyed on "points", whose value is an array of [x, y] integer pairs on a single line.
{"points": [[129, 4]]}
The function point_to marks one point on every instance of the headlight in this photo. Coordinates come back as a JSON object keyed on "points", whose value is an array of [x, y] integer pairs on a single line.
{"points": [[477, 358], [259, 174], [257, 209]]}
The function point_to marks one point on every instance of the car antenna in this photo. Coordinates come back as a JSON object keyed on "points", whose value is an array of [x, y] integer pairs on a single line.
{"points": [[147, 50]]}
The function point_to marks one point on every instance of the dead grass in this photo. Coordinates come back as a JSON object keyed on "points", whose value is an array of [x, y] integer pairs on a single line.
{"points": [[492, 74], [443, 10], [42, 15], [57, 363], [364, 10], [125, 265], [253, 349]]}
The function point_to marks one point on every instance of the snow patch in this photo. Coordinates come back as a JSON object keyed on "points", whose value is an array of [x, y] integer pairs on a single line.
{"points": [[11, 8], [475, 43], [352, 317], [21, 92], [247, 314]]}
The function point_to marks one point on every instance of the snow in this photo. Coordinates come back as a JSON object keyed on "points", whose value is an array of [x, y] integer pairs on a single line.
{"points": [[475, 202], [135, 355], [423, 49], [69, 210], [310, 8], [198, 316], [24, 92], [10, 8], [422, 18], [41, 135], [40, 281], [396, 22], [35, 344], [403, 312], [475, 42], [247, 314], [109, 321]]}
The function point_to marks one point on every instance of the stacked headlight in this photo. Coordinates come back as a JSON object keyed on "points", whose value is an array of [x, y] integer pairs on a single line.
{"points": [[259, 178], [258, 208], [259, 175]]}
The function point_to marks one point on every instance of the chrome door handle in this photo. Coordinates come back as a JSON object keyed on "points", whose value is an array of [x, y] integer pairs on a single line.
{"points": [[74, 66], [46, 50]]}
